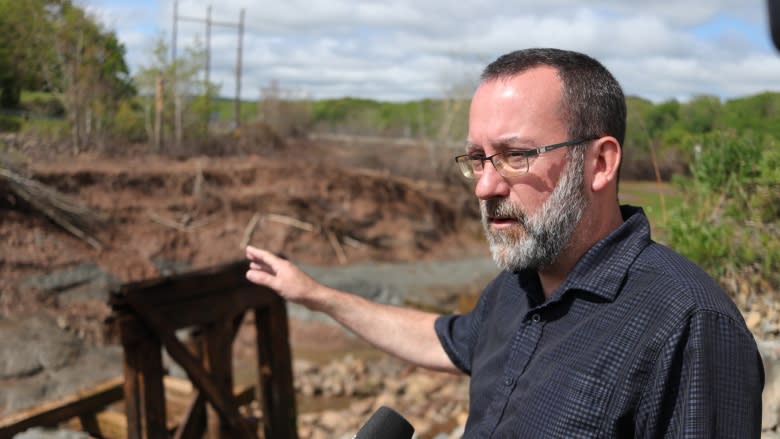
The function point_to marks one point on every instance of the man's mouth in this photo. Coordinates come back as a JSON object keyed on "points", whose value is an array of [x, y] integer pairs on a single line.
{"points": [[501, 222]]}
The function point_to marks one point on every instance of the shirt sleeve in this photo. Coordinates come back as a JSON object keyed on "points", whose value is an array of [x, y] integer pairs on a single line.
{"points": [[707, 383], [459, 333]]}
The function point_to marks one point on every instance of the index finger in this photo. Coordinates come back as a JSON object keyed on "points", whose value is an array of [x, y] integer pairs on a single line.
{"points": [[260, 255]]}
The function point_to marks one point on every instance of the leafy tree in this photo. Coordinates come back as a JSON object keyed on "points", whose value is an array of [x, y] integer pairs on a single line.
{"points": [[699, 115], [55, 46], [181, 79], [758, 113], [285, 114], [93, 77], [662, 117], [22, 50]]}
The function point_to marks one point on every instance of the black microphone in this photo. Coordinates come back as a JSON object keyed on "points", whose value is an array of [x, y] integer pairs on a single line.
{"points": [[385, 423], [774, 21]]}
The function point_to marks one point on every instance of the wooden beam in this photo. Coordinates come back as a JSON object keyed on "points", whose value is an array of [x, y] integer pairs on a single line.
{"points": [[210, 298], [220, 398], [218, 359], [151, 386], [109, 425], [275, 371], [182, 287], [190, 422], [89, 423], [193, 423], [205, 309], [51, 413]]}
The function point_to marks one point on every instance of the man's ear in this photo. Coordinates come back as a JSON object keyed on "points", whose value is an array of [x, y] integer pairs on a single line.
{"points": [[605, 159]]}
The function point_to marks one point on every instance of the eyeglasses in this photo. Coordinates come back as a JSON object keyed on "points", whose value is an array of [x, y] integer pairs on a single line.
{"points": [[510, 163]]}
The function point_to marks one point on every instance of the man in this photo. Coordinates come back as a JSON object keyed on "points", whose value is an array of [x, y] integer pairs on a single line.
{"points": [[591, 329]]}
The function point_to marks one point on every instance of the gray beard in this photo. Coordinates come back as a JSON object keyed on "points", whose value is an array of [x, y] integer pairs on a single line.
{"points": [[544, 235]]}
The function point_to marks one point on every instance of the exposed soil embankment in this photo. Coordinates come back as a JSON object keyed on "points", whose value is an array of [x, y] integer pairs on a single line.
{"points": [[353, 228]]}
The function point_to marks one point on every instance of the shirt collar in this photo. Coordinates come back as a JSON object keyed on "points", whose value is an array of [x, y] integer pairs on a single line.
{"points": [[602, 269]]}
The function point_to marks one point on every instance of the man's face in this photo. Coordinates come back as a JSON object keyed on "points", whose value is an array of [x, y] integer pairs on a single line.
{"points": [[537, 240], [529, 220]]}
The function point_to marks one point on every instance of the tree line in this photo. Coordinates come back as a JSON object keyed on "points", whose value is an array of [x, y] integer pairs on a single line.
{"points": [[58, 62], [56, 48]]}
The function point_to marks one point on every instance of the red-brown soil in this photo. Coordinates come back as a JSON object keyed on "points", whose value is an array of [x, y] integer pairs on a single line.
{"points": [[326, 205]]}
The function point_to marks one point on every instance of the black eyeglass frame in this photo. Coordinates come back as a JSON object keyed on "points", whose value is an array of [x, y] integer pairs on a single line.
{"points": [[464, 160]]}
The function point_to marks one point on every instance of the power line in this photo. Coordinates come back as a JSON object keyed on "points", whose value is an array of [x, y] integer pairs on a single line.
{"points": [[239, 55]]}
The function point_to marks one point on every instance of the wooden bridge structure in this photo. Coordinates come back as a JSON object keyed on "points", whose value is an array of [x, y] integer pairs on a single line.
{"points": [[210, 304]]}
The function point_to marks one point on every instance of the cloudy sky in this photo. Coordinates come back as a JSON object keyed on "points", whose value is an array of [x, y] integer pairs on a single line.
{"points": [[407, 49]]}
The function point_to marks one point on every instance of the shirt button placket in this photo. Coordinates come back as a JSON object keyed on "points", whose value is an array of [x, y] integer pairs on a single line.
{"points": [[523, 347]]}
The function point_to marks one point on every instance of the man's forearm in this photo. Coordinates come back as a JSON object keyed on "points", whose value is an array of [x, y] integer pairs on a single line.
{"points": [[406, 333]]}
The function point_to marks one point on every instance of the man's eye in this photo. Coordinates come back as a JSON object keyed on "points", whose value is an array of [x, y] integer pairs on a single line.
{"points": [[477, 157]]}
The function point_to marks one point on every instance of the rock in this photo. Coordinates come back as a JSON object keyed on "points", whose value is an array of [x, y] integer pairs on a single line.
{"points": [[421, 387], [44, 433], [69, 277], [319, 434], [770, 413], [361, 407], [753, 319], [331, 420], [33, 344]]}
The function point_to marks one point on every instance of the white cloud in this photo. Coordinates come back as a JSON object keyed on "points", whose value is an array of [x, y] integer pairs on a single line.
{"points": [[406, 49]]}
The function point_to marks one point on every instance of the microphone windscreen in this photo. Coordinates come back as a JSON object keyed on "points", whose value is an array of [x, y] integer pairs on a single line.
{"points": [[385, 423], [774, 21]]}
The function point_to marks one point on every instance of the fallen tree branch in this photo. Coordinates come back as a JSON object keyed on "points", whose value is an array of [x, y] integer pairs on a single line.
{"points": [[159, 219], [166, 222], [334, 242], [249, 230], [73, 216], [290, 221]]}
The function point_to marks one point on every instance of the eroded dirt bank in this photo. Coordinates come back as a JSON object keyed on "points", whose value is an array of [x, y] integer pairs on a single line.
{"points": [[352, 227]]}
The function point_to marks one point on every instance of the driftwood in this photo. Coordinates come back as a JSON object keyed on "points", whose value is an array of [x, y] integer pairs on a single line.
{"points": [[68, 213], [334, 242], [290, 221], [51, 413], [88, 409], [330, 234]]}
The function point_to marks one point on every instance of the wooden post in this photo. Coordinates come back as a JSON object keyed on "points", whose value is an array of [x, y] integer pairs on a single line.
{"points": [[144, 394], [218, 359], [215, 300], [275, 370]]}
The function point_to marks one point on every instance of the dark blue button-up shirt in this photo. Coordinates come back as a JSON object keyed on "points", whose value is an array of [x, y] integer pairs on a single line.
{"points": [[636, 342]]}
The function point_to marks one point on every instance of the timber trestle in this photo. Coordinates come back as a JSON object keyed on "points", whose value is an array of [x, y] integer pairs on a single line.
{"points": [[214, 302]]}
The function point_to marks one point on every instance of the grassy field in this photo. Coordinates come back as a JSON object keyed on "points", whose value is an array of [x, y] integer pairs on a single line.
{"points": [[657, 199]]}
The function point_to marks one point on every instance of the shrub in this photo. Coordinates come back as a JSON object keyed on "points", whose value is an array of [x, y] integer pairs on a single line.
{"points": [[10, 124], [729, 221]]}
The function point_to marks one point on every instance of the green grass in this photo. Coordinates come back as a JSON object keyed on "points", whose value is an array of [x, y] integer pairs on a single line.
{"points": [[657, 200], [226, 108], [47, 127], [33, 95]]}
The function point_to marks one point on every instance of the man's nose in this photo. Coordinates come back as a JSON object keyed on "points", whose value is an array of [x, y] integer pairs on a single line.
{"points": [[491, 183]]}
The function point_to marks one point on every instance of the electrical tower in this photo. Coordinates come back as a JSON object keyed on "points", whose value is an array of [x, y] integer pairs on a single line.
{"points": [[239, 55]]}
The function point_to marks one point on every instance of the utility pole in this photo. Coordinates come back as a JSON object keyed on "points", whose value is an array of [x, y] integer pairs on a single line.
{"points": [[209, 23], [208, 68], [175, 84], [238, 69], [175, 29]]}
